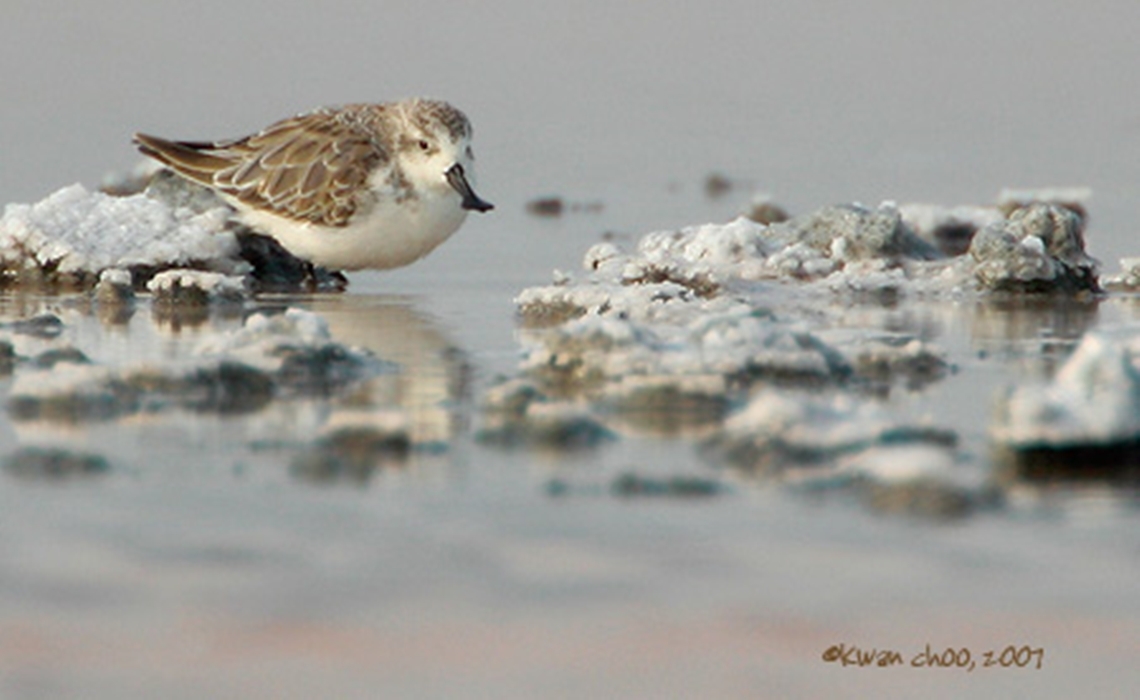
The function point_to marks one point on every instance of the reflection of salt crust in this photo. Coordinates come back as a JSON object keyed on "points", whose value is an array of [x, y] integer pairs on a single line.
{"points": [[811, 437], [259, 343], [80, 382], [286, 354], [1094, 399]]}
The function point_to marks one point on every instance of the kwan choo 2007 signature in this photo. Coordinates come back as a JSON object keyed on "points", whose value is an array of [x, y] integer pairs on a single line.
{"points": [[1012, 656]]}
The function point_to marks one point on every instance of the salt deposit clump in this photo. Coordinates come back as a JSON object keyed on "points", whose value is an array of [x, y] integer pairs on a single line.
{"points": [[672, 334], [1074, 199], [195, 287], [1127, 280], [849, 250], [72, 236], [703, 259], [1039, 248], [850, 233], [159, 223], [115, 288]]}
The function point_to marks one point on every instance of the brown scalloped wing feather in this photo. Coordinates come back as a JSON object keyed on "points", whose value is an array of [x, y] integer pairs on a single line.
{"points": [[312, 167]]}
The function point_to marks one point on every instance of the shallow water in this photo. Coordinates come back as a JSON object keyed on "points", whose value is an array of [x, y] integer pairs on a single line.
{"points": [[204, 562], [201, 562]]}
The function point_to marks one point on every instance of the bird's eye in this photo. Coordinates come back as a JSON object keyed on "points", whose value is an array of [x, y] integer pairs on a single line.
{"points": [[424, 145], [470, 154]]}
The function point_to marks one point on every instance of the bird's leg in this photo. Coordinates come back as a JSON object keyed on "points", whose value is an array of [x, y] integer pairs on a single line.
{"points": [[309, 283]]}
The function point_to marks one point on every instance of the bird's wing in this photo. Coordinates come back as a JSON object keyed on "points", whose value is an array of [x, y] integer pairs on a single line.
{"points": [[311, 168]]}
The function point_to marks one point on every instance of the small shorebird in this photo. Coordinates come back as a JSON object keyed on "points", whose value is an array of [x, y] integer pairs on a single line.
{"points": [[347, 188]]}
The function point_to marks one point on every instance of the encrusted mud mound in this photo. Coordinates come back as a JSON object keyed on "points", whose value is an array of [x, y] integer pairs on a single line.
{"points": [[68, 239], [1127, 280], [1038, 249], [155, 224], [849, 249], [193, 288], [845, 234]]}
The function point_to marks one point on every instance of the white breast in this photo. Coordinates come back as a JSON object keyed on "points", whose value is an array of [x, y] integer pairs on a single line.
{"points": [[392, 234]]}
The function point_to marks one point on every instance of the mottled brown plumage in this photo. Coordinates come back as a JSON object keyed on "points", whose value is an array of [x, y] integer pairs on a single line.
{"points": [[308, 167]]}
